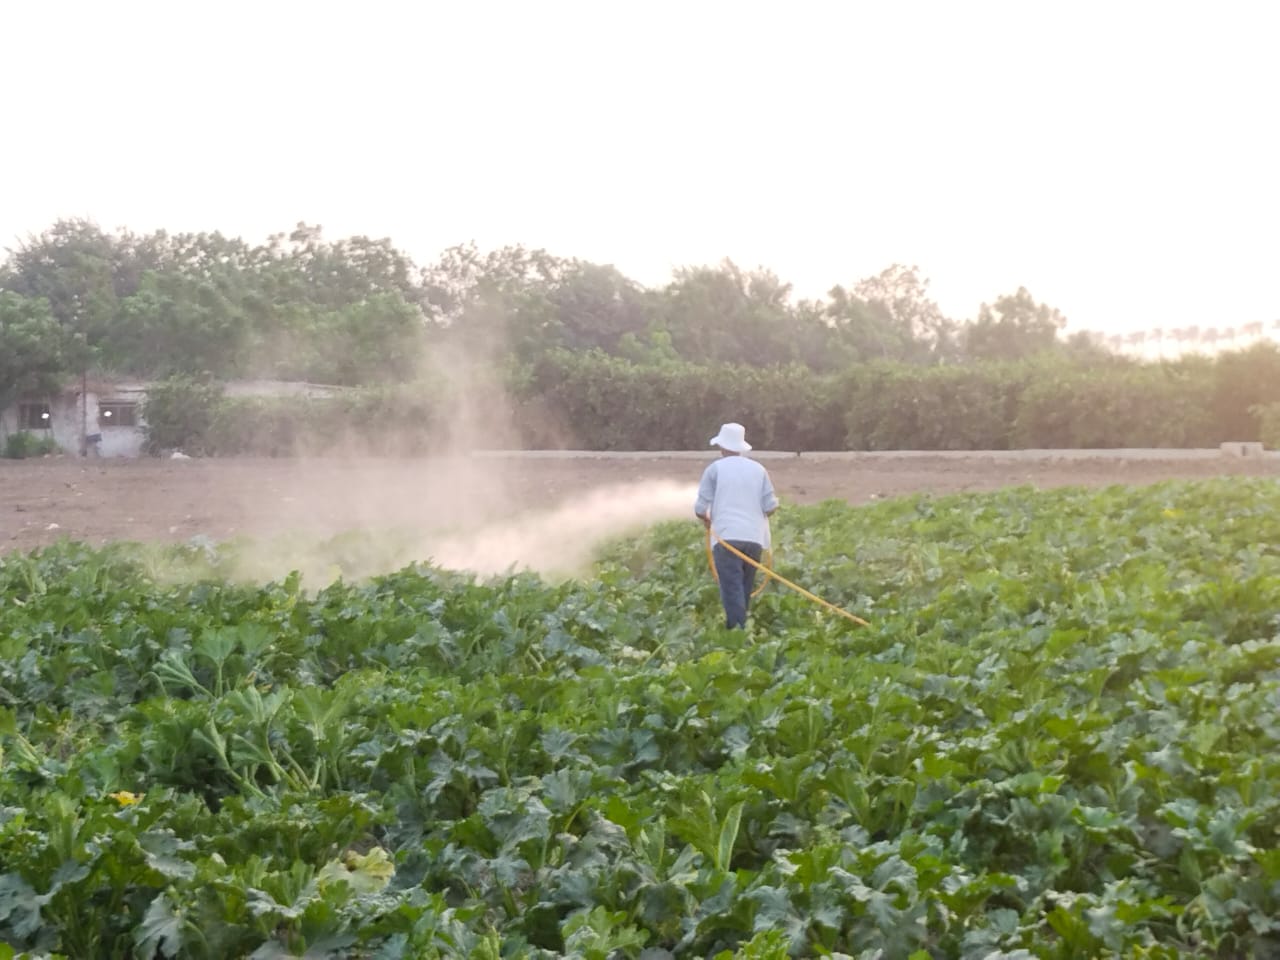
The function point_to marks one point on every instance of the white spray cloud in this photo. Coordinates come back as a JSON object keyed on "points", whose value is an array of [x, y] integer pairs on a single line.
{"points": [[563, 539]]}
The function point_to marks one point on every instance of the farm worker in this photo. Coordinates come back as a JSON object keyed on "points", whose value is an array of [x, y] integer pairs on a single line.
{"points": [[735, 501]]}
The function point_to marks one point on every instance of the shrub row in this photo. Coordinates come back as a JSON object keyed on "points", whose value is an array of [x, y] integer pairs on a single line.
{"points": [[1268, 415], [199, 419], [1027, 406], [604, 403], [595, 402], [23, 445]]}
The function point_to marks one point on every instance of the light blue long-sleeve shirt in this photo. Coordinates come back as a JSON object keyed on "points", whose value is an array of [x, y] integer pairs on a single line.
{"points": [[740, 496]]}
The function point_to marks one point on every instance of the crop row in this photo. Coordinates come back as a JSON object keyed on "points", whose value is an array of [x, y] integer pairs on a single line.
{"points": [[1058, 738]]}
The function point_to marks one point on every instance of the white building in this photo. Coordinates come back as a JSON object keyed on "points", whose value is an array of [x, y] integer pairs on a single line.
{"points": [[105, 418]]}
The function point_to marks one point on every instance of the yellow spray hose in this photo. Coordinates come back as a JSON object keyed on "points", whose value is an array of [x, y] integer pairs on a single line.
{"points": [[771, 574]]}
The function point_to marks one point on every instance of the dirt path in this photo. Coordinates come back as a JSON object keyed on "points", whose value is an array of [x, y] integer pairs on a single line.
{"points": [[165, 500]]}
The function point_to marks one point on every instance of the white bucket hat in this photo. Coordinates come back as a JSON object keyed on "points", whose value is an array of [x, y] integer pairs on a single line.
{"points": [[732, 437]]}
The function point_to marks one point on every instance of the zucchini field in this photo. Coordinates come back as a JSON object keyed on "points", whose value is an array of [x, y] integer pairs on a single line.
{"points": [[1058, 738]]}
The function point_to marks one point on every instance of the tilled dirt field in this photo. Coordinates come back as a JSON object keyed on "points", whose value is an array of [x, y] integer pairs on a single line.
{"points": [[46, 500]]}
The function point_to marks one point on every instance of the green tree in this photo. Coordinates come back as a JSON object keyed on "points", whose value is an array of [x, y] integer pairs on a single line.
{"points": [[32, 347], [726, 314], [75, 267], [589, 306], [903, 297], [1087, 346], [376, 340], [180, 413], [866, 330], [342, 272], [1013, 327], [180, 323], [200, 302], [463, 277], [489, 306], [1244, 380]]}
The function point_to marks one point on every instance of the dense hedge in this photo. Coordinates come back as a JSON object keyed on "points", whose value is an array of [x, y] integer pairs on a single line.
{"points": [[179, 413], [1269, 417], [1148, 406], [1242, 381], [391, 421], [199, 419], [592, 401], [24, 445], [598, 402], [603, 403], [928, 408]]}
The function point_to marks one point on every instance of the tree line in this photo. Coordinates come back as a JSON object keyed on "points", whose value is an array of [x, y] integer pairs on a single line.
{"points": [[359, 311], [590, 401], [519, 346]]}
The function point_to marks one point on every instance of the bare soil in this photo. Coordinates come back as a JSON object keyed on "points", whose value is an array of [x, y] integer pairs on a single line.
{"points": [[42, 501]]}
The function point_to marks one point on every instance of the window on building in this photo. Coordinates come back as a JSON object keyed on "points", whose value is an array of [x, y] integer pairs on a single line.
{"points": [[117, 413], [34, 416]]}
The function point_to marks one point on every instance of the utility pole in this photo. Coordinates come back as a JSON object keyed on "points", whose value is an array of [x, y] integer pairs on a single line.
{"points": [[84, 412], [84, 389]]}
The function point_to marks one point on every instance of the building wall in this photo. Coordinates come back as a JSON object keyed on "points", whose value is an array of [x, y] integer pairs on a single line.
{"points": [[63, 423], [118, 441], [67, 415], [8, 421], [66, 422]]}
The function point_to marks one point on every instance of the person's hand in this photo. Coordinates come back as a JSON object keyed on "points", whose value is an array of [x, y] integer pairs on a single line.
{"points": [[706, 520]]}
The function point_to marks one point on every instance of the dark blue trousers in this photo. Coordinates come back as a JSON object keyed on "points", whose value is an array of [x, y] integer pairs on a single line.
{"points": [[737, 579]]}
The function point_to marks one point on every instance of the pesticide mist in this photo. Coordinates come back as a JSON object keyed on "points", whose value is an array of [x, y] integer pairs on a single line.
{"points": [[556, 541], [562, 540]]}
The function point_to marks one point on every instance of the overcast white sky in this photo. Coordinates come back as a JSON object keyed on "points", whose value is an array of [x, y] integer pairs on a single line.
{"points": [[1120, 159]]}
